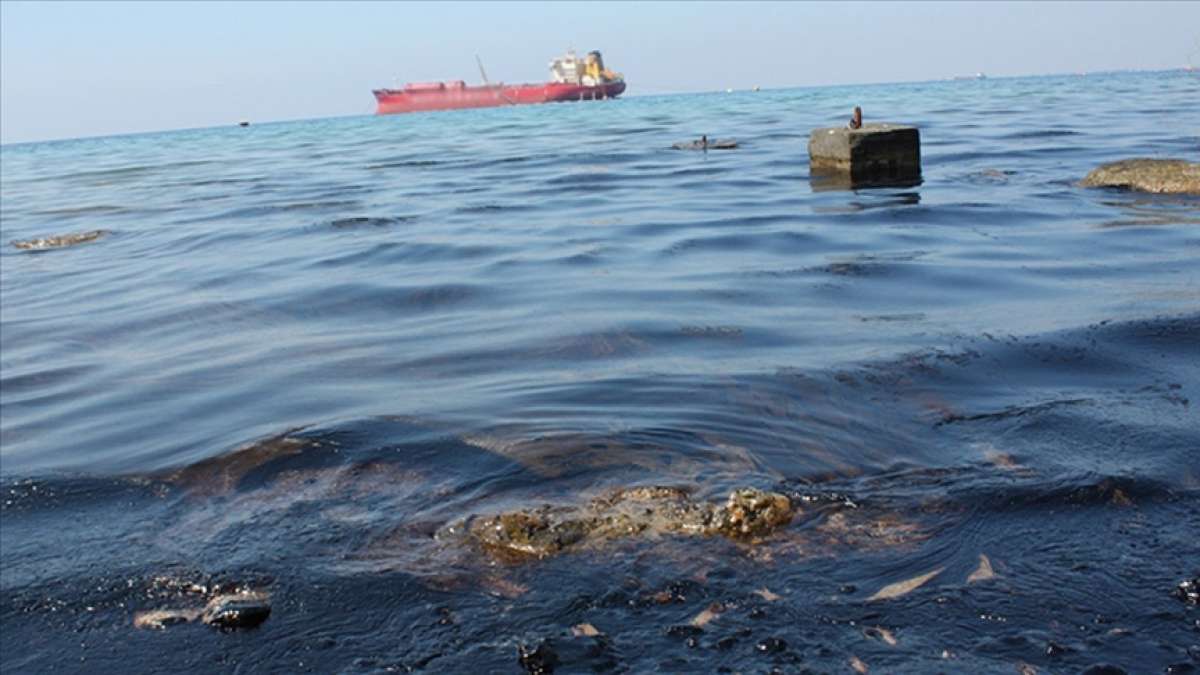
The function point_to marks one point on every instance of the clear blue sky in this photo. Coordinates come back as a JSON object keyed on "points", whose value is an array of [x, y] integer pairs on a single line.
{"points": [[96, 68]]}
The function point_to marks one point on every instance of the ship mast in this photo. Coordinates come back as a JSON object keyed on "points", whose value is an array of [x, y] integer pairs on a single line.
{"points": [[483, 74]]}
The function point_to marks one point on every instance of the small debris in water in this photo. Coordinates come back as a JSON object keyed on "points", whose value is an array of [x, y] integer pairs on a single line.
{"points": [[883, 634], [159, 619], [1188, 591], [59, 241], [708, 614], [983, 572], [1003, 460], [771, 645], [584, 630], [905, 587], [766, 594], [858, 666], [1054, 650]]}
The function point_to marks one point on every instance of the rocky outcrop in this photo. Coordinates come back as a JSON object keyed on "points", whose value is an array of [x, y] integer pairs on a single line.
{"points": [[1162, 176], [748, 515]]}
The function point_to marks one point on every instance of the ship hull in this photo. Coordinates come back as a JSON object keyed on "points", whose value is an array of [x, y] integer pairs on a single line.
{"points": [[443, 96]]}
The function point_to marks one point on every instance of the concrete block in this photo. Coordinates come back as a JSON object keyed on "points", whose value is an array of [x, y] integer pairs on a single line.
{"points": [[877, 154]]}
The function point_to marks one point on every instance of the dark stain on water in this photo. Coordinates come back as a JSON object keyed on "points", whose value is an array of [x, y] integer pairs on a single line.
{"points": [[268, 426]]}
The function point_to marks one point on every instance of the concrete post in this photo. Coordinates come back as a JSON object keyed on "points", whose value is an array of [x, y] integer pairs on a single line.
{"points": [[875, 155]]}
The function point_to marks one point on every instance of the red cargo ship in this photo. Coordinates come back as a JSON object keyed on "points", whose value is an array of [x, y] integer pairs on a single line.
{"points": [[574, 79]]}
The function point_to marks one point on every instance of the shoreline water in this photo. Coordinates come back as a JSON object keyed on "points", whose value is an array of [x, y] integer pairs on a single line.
{"points": [[306, 358]]}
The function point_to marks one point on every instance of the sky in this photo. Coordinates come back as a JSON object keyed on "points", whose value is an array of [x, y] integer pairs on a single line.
{"points": [[98, 68]]}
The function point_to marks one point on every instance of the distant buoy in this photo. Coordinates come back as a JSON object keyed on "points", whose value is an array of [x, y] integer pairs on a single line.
{"points": [[756, 88], [243, 123]]}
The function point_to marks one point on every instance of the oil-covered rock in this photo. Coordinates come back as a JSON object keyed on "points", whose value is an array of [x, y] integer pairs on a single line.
{"points": [[1164, 176], [228, 606], [748, 515], [237, 610], [59, 240]]}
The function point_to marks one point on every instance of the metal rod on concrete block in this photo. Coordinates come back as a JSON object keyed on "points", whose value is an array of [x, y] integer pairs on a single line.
{"points": [[877, 154]]}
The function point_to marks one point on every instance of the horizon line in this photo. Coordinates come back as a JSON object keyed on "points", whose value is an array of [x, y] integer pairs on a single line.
{"points": [[962, 78]]}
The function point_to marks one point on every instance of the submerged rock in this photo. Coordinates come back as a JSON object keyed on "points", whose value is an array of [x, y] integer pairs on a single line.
{"points": [[59, 241], [705, 144], [747, 515], [1103, 669], [753, 513], [159, 619], [237, 610], [1164, 176], [538, 534]]}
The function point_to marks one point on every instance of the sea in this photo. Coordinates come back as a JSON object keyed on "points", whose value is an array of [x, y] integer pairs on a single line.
{"points": [[308, 359]]}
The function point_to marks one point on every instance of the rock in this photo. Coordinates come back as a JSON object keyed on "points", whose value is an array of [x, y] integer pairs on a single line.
{"points": [[59, 241], [1163, 176], [541, 660], [753, 513], [237, 610], [748, 515], [534, 534]]}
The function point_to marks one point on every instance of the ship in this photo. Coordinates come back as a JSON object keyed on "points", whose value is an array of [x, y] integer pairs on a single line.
{"points": [[572, 79]]}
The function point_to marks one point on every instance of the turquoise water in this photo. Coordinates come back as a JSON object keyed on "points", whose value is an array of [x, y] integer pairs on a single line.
{"points": [[520, 305]]}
